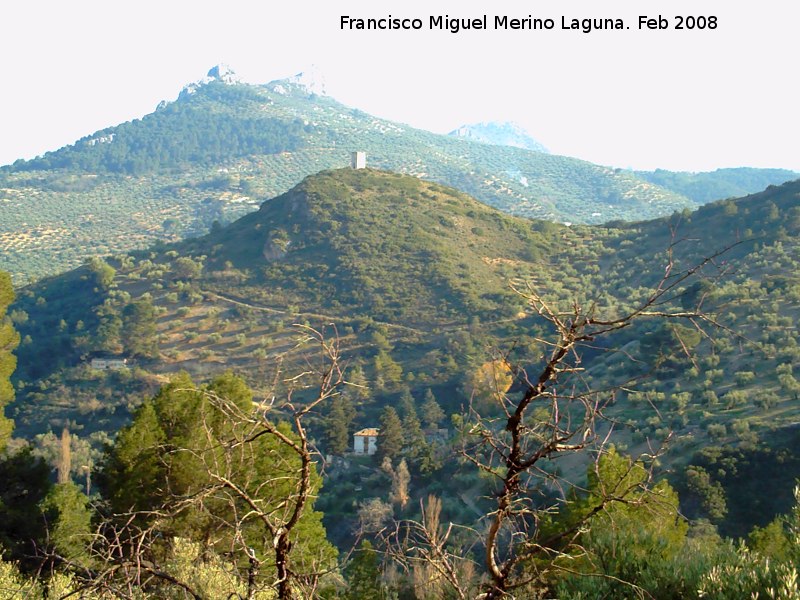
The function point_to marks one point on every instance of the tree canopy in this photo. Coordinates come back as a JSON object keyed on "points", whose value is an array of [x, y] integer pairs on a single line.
{"points": [[9, 339], [192, 453]]}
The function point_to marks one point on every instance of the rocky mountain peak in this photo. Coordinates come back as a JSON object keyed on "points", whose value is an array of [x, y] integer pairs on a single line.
{"points": [[221, 72], [310, 81], [505, 133]]}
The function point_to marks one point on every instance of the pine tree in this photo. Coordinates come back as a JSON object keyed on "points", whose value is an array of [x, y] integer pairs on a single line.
{"points": [[390, 436], [387, 368], [358, 383], [69, 521], [9, 340], [179, 446], [432, 413], [24, 482], [414, 443], [336, 429], [406, 404], [139, 328], [363, 575]]}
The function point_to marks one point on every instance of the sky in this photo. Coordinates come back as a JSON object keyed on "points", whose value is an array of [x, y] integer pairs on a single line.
{"points": [[663, 98]]}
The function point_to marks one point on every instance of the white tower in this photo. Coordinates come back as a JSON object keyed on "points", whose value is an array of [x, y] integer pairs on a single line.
{"points": [[358, 160]]}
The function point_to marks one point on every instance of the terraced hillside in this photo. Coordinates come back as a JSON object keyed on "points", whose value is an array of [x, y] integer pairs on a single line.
{"points": [[222, 148]]}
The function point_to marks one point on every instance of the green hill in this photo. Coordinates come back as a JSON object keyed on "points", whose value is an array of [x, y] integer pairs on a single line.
{"points": [[387, 245], [717, 185]]}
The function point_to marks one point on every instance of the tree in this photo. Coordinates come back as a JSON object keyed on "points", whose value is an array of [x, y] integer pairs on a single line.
{"points": [[357, 382], [631, 544], [186, 269], [363, 574], [109, 329], [390, 434], [406, 404], [68, 519], [139, 328], [337, 426], [9, 340], [26, 481], [489, 382], [414, 444], [432, 413], [400, 480], [711, 494], [554, 410], [204, 463], [102, 272], [64, 457], [387, 368]]}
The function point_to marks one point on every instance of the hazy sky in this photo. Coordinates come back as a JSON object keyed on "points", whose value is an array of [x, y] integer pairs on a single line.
{"points": [[681, 100]]}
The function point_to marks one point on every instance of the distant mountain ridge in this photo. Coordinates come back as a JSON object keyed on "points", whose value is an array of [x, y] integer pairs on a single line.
{"points": [[222, 147], [719, 184]]}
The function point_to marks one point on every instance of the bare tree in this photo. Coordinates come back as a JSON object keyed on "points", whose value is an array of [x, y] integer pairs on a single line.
{"points": [[438, 566], [258, 480], [64, 457], [553, 410]]}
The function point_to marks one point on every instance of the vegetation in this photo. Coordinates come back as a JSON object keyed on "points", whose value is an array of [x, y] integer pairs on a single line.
{"points": [[703, 188], [8, 342], [217, 153], [685, 342]]}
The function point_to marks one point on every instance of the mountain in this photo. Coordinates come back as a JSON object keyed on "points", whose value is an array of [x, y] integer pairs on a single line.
{"points": [[419, 282], [223, 147], [499, 134], [716, 185]]}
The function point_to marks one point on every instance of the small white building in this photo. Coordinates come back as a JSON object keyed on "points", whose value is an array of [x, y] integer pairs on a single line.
{"points": [[358, 160], [109, 363], [366, 441]]}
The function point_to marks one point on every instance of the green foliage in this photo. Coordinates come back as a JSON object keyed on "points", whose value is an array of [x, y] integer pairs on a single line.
{"points": [[710, 493], [9, 339], [26, 481], [722, 183], [102, 272], [164, 173], [390, 434], [68, 518], [432, 413], [206, 572], [338, 425], [139, 329], [182, 132], [13, 585], [633, 542], [393, 262], [186, 269], [363, 574], [178, 447], [771, 541]]}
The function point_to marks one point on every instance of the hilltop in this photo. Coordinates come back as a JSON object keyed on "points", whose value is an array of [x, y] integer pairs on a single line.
{"points": [[223, 147]]}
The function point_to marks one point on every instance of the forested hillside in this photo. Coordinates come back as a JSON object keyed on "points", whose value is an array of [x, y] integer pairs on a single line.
{"points": [[719, 184], [558, 394]]}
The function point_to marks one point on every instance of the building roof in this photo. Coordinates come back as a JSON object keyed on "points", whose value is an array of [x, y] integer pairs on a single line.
{"points": [[368, 432]]}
